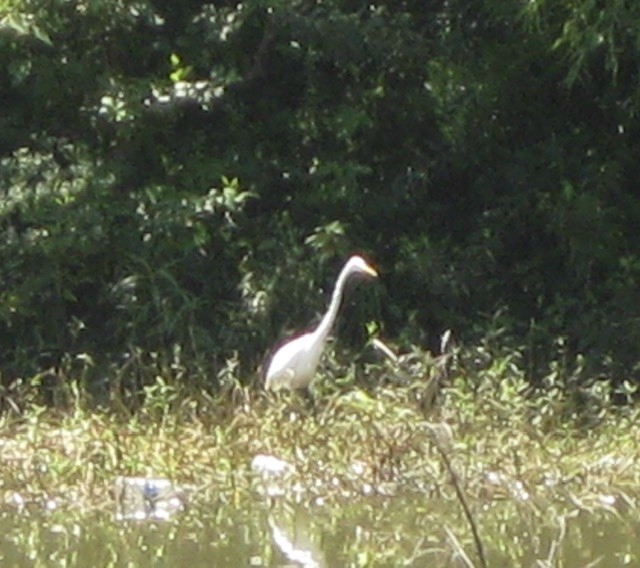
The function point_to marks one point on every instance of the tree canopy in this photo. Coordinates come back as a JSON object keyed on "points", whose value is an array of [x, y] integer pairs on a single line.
{"points": [[181, 178]]}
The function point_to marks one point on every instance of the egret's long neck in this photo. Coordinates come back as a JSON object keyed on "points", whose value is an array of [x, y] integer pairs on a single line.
{"points": [[325, 325]]}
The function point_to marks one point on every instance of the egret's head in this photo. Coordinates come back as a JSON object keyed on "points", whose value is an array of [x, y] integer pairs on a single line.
{"points": [[358, 265]]}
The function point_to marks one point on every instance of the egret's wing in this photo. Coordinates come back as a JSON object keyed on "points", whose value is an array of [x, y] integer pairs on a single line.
{"points": [[292, 364]]}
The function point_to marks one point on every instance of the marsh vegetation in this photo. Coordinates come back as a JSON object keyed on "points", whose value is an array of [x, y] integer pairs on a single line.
{"points": [[373, 471], [181, 181]]}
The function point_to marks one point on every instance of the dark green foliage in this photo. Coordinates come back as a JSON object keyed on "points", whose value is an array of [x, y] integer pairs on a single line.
{"points": [[179, 178]]}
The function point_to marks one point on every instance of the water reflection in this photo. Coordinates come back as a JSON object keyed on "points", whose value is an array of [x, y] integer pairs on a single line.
{"points": [[293, 534], [407, 531]]}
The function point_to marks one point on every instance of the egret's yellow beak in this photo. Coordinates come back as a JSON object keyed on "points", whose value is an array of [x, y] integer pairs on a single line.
{"points": [[370, 271]]}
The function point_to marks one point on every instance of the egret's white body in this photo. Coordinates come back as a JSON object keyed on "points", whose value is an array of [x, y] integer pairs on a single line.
{"points": [[294, 364]]}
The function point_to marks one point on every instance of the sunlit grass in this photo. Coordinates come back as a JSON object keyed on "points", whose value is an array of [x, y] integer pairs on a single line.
{"points": [[473, 447], [503, 442]]}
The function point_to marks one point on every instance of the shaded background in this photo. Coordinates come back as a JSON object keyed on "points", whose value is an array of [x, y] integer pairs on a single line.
{"points": [[182, 181]]}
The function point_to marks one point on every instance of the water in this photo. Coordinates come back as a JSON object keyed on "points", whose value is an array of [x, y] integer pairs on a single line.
{"points": [[400, 531]]}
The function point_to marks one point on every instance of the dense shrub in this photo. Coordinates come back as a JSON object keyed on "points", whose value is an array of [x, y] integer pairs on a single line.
{"points": [[183, 177]]}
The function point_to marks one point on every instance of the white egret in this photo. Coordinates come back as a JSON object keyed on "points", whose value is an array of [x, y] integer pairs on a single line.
{"points": [[294, 364]]}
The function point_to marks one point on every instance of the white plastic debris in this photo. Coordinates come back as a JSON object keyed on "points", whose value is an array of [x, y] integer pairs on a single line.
{"points": [[144, 498], [274, 473], [272, 466]]}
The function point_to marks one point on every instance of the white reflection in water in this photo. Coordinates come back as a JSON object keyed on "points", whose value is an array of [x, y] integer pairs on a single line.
{"points": [[294, 535]]}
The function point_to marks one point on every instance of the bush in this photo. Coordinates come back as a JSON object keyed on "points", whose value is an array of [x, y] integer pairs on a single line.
{"points": [[483, 156]]}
